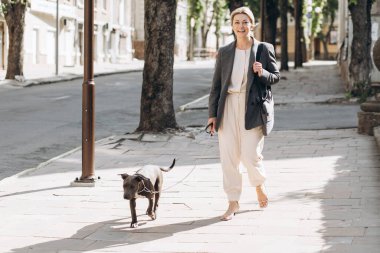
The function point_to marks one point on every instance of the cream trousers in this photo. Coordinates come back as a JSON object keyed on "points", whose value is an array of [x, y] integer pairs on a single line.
{"points": [[238, 145]]}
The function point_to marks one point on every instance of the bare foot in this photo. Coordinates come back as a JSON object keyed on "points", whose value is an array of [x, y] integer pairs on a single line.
{"points": [[262, 196], [233, 207]]}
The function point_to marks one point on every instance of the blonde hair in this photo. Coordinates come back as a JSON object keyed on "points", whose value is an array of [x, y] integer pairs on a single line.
{"points": [[243, 10]]}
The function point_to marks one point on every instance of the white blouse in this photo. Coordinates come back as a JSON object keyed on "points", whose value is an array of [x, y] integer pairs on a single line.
{"points": [[240, 69]]}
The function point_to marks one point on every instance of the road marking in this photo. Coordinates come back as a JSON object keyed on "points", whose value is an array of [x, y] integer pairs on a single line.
{"points": [[183, 107], [60, 98]]}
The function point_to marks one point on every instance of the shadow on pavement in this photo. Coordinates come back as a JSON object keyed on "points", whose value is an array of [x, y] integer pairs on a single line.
{"points": [[116, 233], [33, 191]]}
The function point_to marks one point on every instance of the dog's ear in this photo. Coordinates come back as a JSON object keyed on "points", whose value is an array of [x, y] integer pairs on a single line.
{"points": [[124, 176]]}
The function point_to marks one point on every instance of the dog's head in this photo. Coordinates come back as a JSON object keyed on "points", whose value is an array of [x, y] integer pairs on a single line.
{"points": [[131, 185]]}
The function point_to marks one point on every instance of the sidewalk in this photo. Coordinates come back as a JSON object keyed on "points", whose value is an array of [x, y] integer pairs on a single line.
{"points": [[323, 187], [324, 190], [316, 82]]}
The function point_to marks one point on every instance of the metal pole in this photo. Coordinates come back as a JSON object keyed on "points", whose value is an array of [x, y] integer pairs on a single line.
{"points": [[88, 99], [57, 41], [192, 24], [262, 16]]}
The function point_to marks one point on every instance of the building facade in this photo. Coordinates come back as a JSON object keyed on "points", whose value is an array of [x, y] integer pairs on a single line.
{"points": [[118, 33], [112, 33], [181, 34]]}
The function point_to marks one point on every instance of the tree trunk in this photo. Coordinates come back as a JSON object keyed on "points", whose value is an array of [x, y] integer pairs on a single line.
{"points": [[284, 35], [234, 4], [206, 25], [303, 45], [204, 41], [272, 15], [311, 52], [217, 41], [157, 111], [325, 40], [298, 59], [218, 7], [376, 54], [325, 49], [360, 64], [15, 18]]}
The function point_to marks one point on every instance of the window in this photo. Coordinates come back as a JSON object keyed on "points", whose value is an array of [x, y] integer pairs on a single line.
{"points": [[35, 46], [50, 47]]}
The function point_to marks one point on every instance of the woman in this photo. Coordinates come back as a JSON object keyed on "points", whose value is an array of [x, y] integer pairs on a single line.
{"points": [[233, 108]]}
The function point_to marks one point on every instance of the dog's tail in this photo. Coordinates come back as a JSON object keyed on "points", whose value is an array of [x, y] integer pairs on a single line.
{"points": [[169, 169]]}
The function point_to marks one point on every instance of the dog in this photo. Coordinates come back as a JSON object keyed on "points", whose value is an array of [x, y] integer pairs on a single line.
{"points": [[146, 182]]}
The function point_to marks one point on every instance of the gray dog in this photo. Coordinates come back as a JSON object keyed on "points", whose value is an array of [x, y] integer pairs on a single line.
{"points": [[146, 182]]}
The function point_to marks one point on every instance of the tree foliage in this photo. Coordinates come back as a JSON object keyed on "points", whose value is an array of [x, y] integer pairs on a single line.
{"points": [[329, 13], [6, 5], [195, 9], [220, 8], [200, 11], [317, 16], [254, 5], [207, 17]]}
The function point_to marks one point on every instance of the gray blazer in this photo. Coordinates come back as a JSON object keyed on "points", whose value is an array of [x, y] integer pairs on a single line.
{"points": [[222, 78]]}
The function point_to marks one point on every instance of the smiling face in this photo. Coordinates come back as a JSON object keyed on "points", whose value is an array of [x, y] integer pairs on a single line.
{"points": [[242, 25]]}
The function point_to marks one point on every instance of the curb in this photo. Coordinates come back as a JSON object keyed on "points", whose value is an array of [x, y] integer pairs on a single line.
{"points": [[188, 105], [336, 100], [43, 164], [62, 78]]}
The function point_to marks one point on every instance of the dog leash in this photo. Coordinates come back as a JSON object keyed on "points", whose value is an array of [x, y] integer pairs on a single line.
{"points": [[195, 165], [145, 189], [183, 179]]}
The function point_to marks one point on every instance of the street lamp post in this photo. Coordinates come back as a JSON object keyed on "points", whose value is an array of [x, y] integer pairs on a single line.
{"points": [[192, 24], [88, 101]]}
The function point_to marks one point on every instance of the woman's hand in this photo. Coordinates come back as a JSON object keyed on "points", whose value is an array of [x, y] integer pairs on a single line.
{"points": [[257, 68], [211, 128]]}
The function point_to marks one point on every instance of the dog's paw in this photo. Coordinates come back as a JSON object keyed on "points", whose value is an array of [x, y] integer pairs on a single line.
{"points": [[134, 225], [152, 216]]}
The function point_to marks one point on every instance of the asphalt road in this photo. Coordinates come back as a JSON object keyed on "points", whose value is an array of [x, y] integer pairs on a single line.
{"points": [[41, 122]]}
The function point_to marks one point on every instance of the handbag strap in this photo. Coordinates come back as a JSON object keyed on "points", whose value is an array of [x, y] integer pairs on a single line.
{"points": [[259, 51], [258, 57]]}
